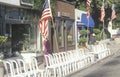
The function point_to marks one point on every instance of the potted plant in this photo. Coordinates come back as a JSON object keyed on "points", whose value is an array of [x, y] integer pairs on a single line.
{"points": [[97, 33], [82, 41], [84, 32], [83, 37]]}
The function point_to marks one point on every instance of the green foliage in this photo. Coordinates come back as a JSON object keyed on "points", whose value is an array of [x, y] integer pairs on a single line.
{"points": [[97, 38], [82, 41], [84, 32], [3, 39], [38, 4], [96, 31]]}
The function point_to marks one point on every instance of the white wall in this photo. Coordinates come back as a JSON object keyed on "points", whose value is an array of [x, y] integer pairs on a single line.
{"points": [[12, 2], [113, 31], [78, 13]]}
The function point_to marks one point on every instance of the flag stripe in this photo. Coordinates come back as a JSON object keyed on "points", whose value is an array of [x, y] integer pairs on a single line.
{"points": [[88, 3], [88, 14], [43, 23], [102, 13], [113, 16]]}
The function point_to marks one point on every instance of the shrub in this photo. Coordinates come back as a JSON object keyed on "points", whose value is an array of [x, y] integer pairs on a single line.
{"points": [[97, 37], [84, 31], [82, 41], [96, 31]]}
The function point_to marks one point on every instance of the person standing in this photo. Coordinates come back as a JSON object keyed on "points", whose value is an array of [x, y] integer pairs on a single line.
{"points": [[46, 46], [92, 39]]}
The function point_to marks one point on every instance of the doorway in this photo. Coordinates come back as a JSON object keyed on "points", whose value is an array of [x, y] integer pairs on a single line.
{"points": [[19, 34]]}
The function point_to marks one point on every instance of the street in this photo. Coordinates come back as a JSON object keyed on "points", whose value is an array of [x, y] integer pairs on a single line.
{"points": [[109, 67]]}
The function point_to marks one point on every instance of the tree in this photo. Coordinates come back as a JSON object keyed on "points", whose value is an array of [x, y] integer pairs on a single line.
{"points": [[95, 9]]}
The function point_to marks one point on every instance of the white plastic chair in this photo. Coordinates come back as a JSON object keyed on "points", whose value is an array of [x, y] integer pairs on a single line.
{"points": [[24, 68], [19, 68], [52, 65], [35, 69], [8, 68]]}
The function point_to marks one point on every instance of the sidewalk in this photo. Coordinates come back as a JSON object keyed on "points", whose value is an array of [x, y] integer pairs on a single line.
{"points": [[114, 47]]}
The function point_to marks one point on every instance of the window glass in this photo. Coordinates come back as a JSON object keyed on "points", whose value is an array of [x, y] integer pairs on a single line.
{"points": [[60, 31], [12, 13], [70, 32], [33, 36]]}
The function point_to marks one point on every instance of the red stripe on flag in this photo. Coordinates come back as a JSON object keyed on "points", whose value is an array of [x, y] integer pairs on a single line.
{"points": [[113, 16], [88, 14], [88, 3], [102, 13], [43, 23]]}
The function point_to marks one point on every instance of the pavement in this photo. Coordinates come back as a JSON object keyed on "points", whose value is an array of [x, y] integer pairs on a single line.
{"points": [[108, 67]]}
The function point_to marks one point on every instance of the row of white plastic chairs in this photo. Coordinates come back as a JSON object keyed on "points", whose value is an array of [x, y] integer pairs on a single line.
{"points": [[57, 64], [63, 63], [20, 68], [101, 50]]}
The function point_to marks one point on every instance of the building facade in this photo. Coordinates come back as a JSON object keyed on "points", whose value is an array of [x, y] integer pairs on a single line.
{"points": [[65, 29], [19, 22]]}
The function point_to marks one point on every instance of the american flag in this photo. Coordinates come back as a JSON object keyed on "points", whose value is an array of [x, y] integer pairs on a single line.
{"points": [[102, 13], [43, 23], [87, 14], [113, 16], [88, 3]]}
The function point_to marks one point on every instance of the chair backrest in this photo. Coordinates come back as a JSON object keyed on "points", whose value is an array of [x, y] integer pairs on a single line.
{"points": [[48, 59], [22, 65], [55, 58], [15, 66], [33, 65], [8, 68]]}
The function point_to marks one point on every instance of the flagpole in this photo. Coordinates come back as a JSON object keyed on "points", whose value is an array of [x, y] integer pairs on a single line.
{"points": [[88, 12], [102, 32], [103, 26], [87, 30], [103, 29], [55, 34]]}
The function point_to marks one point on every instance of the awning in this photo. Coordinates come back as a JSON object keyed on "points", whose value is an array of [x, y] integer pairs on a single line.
{"points": [[85, 21]]}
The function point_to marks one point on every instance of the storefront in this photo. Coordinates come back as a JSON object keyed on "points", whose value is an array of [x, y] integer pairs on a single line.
{"points": [[65, 29], [19, 24], [82, 23]]}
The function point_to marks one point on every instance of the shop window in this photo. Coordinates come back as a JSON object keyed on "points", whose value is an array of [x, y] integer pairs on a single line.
{"points": [[60, 33], [70, 32], [33, 37]]}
